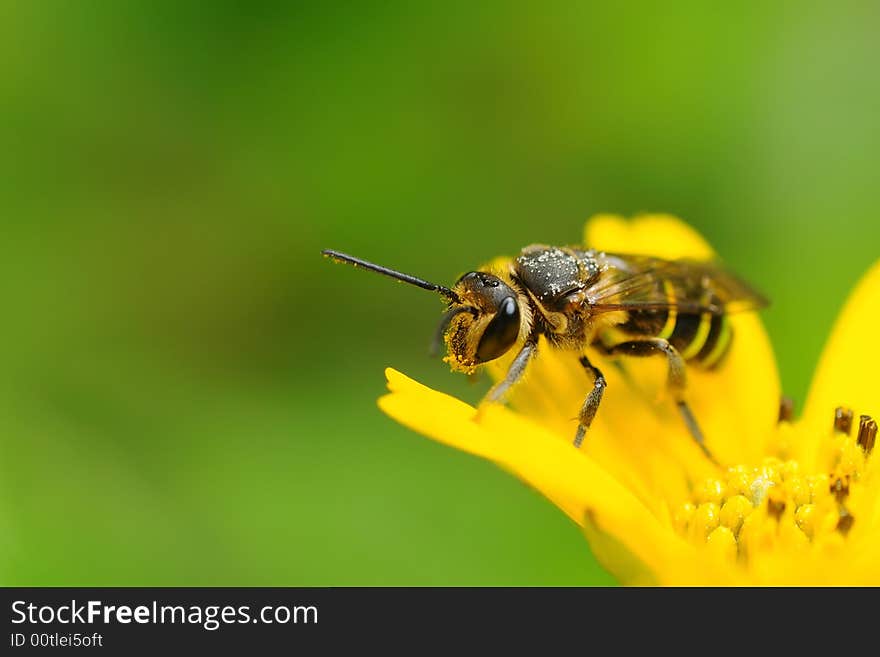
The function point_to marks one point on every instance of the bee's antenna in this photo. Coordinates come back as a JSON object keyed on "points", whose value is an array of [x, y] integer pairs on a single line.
{"points": [[385, 271]]}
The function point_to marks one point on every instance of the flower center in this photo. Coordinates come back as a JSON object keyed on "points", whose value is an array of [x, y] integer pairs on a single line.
{"points": [[776, 505]]}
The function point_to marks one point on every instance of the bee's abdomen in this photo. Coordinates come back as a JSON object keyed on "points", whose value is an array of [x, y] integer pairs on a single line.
{"points": [[649, 323], [702, 339]]}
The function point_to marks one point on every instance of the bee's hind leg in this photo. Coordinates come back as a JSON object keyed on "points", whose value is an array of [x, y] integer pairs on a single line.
{"points": [[676, 379], [591, 403]]}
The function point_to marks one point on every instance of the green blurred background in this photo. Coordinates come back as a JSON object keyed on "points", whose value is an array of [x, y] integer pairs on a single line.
{"points": [[188, 390]]}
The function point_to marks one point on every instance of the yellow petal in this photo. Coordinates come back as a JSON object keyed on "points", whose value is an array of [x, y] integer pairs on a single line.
{"points": [[638, 440], [849, 368], [616, 558], [434, 414], [737, 404], [659, 235], [567, 477]]}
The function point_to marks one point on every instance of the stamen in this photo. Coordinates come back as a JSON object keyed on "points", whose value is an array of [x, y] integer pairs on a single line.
{"points": [[845, 522], [867, 433], [776, 504], [775, 508], [840, 488], [786, 409], [843, 418]]}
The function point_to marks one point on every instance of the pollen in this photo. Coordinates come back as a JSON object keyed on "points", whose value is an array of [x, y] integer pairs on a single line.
{"points": [[775, 505]]}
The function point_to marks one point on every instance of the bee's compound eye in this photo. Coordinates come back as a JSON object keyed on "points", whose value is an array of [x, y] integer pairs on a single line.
{"points": [[501, 332]]}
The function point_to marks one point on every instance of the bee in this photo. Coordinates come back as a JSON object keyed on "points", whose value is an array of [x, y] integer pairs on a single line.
{"points": [[620, 304]]}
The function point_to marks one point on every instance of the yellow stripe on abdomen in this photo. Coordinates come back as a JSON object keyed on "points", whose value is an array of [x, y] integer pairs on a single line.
{"points": [[671, 314], [699, 338], [722, 342]]}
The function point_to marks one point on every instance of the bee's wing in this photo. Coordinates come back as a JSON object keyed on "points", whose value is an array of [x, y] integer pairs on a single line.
{"points": [[688, 286]]}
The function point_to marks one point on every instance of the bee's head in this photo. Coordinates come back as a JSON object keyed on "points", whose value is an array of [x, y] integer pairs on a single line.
{"points": [[483, 324], [483, 320]]}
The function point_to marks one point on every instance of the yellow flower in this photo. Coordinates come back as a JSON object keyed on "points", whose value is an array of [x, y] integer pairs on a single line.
{"points": [[792, 502]]}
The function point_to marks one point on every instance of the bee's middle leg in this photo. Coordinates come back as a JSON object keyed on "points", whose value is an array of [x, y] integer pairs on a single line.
{"points": [[676, 379], [591, 403]]}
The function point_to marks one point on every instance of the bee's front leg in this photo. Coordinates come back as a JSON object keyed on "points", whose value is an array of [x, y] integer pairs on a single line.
{"points": [[514, 372], [591, 403], [676, 379]]}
